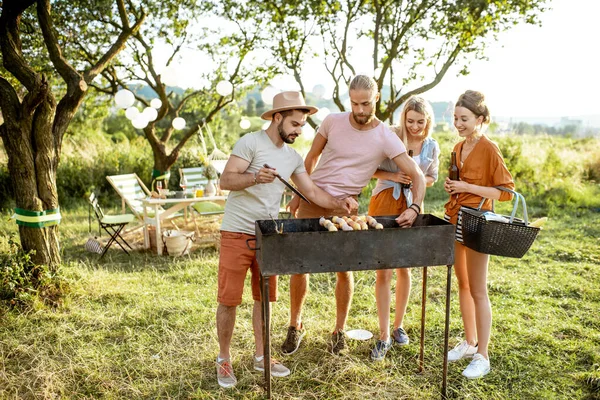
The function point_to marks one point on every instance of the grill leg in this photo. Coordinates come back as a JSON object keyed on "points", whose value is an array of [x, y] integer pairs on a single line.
{"points": [[423, 302], [264, 287], [446, 332]]}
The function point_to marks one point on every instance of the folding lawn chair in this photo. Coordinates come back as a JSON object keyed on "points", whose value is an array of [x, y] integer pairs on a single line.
{"points": [[112, 224]]}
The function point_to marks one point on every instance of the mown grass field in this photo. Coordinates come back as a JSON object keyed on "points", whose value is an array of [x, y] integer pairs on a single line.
{"points": [[144, 327]]}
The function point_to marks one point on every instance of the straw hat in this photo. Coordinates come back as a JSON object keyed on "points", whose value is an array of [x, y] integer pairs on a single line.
{"points": [[288, 101]]}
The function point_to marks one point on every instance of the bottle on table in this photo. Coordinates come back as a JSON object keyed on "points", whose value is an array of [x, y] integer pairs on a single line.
{"points": [[183, 183], [199, 192]]}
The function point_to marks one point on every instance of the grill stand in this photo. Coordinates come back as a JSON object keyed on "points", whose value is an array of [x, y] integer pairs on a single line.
{"points": [[264, 293]]}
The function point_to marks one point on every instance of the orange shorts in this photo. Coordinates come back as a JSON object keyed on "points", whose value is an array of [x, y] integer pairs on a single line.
{"points": [[314, 211], [383, 203], [234, 262]]}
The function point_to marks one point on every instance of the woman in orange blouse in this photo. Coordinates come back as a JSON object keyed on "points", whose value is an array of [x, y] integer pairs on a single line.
{"points": [[481, 167]]}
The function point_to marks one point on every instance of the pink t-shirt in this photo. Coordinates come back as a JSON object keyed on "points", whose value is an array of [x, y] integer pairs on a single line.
{"points": [[351, 157]]}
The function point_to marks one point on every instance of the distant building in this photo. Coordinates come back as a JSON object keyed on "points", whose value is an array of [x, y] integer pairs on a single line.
{"points": [[566, 121]]}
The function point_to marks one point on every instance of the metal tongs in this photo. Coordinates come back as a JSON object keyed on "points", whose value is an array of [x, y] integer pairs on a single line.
{"points": [[286, 183]]}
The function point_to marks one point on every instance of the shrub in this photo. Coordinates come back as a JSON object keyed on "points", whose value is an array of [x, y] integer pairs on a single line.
{"points": [[21, 281]]}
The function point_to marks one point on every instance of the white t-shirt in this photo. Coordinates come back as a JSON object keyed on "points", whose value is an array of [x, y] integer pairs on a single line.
{"points": [[257, 202], [351, 157]]}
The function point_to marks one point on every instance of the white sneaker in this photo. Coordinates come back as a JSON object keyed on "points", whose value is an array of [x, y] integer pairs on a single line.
{"points": [[462, 350], [478, 368], [278, 370]]}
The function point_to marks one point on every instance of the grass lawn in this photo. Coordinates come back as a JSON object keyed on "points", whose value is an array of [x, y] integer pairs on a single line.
{"points": [[144, 327]]}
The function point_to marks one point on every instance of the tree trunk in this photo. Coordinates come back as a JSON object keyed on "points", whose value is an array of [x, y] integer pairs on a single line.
{"points": [[32, 161]]}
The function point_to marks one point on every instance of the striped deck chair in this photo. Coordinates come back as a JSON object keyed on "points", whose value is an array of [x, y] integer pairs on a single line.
{"points": [[132, 190]]}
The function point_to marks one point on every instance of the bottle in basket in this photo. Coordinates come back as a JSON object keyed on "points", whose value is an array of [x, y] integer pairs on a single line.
{"points": [[453, 170]]}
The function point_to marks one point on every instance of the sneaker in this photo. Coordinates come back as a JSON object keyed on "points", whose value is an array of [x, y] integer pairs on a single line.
{"points": [[400, 336], [292, 341], [338, 342], [278, 370], [478, 368], [462, 350], [380, 350], [225, 375]]}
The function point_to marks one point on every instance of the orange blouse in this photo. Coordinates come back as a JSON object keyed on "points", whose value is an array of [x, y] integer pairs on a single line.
{"points": [[484, 166]]}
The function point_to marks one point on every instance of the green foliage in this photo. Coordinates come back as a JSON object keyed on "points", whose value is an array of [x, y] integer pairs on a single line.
{"points": [[22, 282], [85, 165]]}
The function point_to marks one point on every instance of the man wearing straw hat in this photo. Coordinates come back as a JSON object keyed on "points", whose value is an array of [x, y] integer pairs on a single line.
{"points": [[256, 195]]}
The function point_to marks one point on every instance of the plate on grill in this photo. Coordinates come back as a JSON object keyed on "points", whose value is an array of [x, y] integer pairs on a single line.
{"points": [[359, 334]]}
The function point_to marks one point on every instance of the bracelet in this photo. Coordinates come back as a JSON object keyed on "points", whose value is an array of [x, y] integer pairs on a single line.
{"points": [[416, 205], [255, 181]]}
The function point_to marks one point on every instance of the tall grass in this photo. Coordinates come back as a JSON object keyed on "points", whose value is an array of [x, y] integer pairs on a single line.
{"points": [[143, 327]]}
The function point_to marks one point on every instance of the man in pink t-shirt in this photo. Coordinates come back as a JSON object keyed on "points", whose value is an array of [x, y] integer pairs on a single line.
{"points": [[351, 145]]}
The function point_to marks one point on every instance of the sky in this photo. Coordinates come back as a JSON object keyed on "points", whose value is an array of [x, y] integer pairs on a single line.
{"points": [[546, 71]]}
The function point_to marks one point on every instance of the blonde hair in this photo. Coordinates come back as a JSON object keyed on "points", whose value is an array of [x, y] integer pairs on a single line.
{"points": [[363, 82], [420, 105], [475, 102]]}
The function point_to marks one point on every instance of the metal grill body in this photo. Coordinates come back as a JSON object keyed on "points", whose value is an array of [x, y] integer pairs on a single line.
{"points": [[306, 247], [301, 246]]}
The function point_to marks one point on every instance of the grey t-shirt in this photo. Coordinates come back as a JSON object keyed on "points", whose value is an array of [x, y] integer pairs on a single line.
{"points": [[257, 202]]}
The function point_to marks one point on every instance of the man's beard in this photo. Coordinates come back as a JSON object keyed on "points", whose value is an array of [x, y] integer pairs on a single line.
{"points": [[286, 137], [363, 119]]}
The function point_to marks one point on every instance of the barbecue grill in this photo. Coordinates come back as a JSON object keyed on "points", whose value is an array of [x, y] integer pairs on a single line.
{"points": [[300, 246]]}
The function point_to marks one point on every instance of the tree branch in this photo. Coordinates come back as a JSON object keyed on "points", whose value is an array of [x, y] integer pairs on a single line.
{"points": [[117, 46], [9, 101], [10, 43], [437, 79], [71, 77]]}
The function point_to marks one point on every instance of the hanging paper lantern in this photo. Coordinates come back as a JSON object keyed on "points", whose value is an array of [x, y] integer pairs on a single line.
{"points": [[124, 98], [178, 123], [224, 88], [139, 122], [245, 123], [155, 103], [318, 90], [150, 113], [132, 113], [268, 93]]}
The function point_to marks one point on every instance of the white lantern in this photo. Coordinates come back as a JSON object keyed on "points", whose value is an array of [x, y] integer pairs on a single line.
{"points": [[139, 122], [224, 88], [150, 113], [178, 123], [124, 98], [245, 123], [155, 103], [319, 90], [132, 113], [268, 93]]}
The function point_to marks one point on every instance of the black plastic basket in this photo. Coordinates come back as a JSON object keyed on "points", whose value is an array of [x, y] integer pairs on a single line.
{"points": [[508, 239]]}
